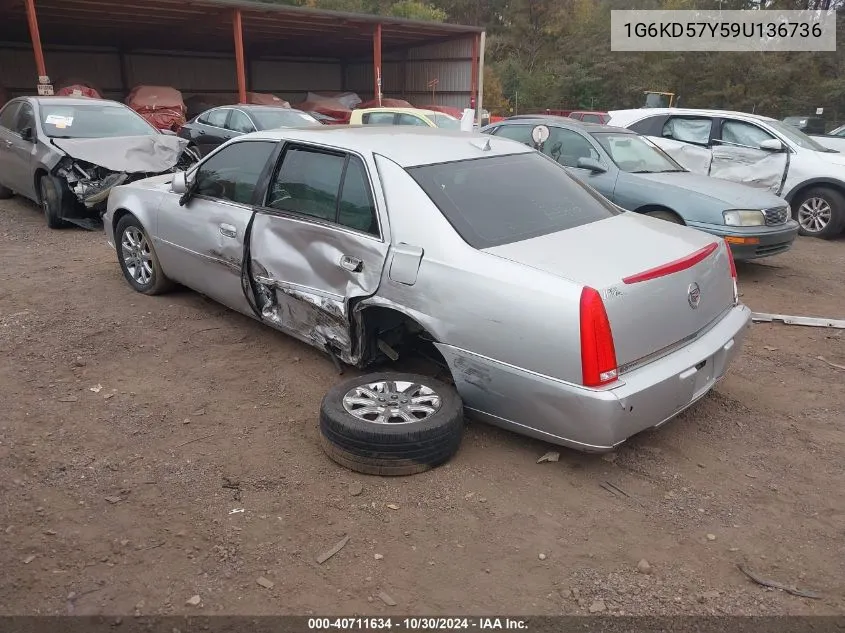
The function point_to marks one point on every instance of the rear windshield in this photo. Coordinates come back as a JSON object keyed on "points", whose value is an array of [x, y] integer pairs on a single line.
{"points": [[444, 121], [505, 199], [270, 119]]}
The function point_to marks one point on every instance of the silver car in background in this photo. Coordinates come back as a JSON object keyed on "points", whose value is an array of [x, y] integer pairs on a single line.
{"points": [[66, 153], [558, 316]]}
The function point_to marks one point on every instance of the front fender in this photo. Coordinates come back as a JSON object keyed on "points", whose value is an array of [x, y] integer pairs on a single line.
{"points": [[815, 182], [142, 203]]}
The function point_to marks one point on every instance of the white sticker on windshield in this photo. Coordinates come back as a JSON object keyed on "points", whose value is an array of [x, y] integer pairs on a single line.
{"points": [[59, 120]]}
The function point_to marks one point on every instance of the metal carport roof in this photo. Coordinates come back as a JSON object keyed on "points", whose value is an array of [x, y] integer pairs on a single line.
{"points": [[268, 29]]}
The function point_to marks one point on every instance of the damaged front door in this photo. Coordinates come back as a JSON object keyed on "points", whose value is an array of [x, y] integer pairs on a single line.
{"points": [[201, 242], [315, 245]]}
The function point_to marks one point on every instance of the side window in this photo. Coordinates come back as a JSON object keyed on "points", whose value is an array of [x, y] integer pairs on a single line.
{"points": [[688, 130], [240, 122], [25, 119], [331, 187], [566, 147], [8, 115], [378, 118], [591, 118], [232, 173], [217, 117], [357, 210], [411, 119], [521, 133], [746, 134], [308, 182], [650, 126]]}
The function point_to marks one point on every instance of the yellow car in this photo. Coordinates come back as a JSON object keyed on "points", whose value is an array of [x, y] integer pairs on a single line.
{"points": [[404, 116]]}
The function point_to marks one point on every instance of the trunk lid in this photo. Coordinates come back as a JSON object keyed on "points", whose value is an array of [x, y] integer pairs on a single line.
{"points": [[651, 313]]}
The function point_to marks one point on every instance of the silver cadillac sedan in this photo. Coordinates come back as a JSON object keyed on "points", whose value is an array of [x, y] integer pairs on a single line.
{"points": [[558, 315]]}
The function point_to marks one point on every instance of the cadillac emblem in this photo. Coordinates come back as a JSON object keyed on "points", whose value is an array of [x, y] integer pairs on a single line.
{"points": [[693, 295]]}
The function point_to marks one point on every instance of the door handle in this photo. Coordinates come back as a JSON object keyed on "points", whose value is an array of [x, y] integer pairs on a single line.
{"points": [[8, 143], [227, 230], [352, 264]]}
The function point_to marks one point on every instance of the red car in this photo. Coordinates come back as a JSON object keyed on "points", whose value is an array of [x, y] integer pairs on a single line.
{"points": [[590, 116]]}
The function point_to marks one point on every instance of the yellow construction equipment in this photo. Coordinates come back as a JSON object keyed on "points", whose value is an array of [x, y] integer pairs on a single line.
{"points": [[659, 99]]}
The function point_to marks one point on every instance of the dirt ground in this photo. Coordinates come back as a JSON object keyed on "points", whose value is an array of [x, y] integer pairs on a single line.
{"points": [[155, 449]]}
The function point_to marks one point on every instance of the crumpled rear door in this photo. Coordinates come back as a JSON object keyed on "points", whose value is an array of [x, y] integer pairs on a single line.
{"points": [[310, 255]]}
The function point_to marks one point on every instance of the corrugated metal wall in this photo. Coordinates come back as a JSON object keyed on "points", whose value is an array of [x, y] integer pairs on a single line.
{"points": [[403, 75], [448, 62]]}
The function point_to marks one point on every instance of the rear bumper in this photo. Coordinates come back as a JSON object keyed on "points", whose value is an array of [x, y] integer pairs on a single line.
{"points": [[769, 240], [597, 420]]}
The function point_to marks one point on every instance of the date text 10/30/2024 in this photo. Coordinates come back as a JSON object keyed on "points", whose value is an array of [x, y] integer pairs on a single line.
{"points": [[416, 624]]}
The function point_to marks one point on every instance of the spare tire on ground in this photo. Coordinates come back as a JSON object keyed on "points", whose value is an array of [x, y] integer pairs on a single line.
{"points": [[391, 423]]}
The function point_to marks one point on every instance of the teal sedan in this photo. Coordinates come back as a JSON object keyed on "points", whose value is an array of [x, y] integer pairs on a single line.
{"points": [[638, 176]]}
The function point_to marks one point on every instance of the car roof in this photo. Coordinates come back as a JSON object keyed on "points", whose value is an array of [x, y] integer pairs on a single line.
{"points": [[630, 116], [71, 101], [251, 107], [562, 121], [401, 110], [408, 146]]}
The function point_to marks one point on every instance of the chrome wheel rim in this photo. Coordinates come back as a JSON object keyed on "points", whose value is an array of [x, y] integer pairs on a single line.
{"points": [[137, 258], [392, 402], [814, 214]]}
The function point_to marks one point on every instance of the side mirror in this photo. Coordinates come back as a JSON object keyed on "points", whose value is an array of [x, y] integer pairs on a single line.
{"points": [[180, 183], [772, 145], [27, 135], [592, 164]]}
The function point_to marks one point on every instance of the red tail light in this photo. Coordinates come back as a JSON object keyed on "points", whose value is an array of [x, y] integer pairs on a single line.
{"points": [[598, 355], [733, 272], [731, 260]]}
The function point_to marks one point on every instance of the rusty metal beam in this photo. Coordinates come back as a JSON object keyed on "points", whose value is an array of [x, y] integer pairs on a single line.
{"points": [[32, 19], [240, 63], [377, 62]]}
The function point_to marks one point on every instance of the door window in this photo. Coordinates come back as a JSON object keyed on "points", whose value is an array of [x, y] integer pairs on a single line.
{"points": [[566, 147], [217, 117], [742, 133], [8, 115], [240, 122], [356, 209], [378, 118], [410, 119], [521, 133], [26, 118], [688, 130], [233, 172], [331, 187]]}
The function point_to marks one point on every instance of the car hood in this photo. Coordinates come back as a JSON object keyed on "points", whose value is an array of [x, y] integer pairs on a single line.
{"points": [[732, 195], [130, 154]]}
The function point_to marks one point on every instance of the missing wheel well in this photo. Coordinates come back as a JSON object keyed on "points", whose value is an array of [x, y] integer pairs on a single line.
{"points": [[391, 337]]}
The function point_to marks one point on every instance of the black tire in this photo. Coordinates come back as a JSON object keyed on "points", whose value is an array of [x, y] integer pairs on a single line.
{"points": [[665, 214], [815, 200], [5, 193], [152, 282], [53, 197], [391, 448]]}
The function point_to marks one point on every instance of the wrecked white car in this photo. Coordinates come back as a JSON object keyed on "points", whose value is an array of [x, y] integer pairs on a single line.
{"points": [[66, 154], [754, 150]]}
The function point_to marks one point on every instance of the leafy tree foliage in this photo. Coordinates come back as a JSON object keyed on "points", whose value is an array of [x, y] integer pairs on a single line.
{"points": [[556, 54]]}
